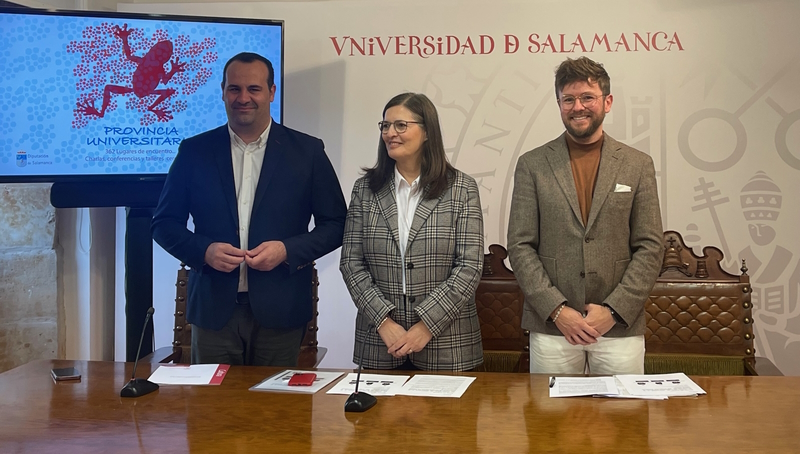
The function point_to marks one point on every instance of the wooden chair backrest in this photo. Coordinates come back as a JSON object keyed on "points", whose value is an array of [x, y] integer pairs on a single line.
{"points": [[695, 308], [310, 352], [500, 303]]}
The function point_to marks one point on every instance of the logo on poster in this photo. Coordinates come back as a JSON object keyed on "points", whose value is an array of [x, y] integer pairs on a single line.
{"points": [[22, 158]]}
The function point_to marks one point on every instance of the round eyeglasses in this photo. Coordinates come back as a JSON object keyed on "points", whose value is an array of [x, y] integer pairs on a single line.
{"points": [[588, 101], [399, 125]]}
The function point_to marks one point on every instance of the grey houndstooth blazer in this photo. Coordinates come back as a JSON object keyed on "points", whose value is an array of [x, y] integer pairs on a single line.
{"points": [[443, 264]]}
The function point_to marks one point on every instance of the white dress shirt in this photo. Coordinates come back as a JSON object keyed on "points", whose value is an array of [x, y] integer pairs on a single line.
{"points": [[408, 196], [247, 161]]}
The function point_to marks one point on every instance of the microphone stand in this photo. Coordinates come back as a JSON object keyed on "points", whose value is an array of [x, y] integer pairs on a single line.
{"points": [[139, 386], [360, 402]]}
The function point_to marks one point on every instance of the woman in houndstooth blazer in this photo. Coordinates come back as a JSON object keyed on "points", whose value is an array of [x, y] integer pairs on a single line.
{"points": [[412, 254]]}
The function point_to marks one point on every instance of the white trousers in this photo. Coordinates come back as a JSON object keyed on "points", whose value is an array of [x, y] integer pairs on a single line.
{"points": [[608, 356]]}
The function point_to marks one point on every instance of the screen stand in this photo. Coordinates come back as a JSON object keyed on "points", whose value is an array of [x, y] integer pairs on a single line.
{"points": [[138, 280]]}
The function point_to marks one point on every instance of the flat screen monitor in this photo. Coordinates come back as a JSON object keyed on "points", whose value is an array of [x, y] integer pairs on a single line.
{"points": [[107, 97]]}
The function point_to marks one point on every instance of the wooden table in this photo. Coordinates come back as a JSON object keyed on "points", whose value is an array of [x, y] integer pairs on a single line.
{"points": [[498, 413]]}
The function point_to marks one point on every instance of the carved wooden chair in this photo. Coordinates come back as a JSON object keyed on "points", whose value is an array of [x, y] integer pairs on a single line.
{"points": [[311, 354], [499, 301], [699, 317]]}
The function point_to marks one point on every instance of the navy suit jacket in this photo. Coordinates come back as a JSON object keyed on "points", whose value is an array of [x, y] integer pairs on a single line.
{"points": [[297, 181]]}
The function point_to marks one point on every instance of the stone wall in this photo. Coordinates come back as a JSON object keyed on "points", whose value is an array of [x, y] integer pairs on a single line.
{"points": [[29, 309]]}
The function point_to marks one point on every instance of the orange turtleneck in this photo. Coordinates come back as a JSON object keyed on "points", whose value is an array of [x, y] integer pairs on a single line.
{"points": [[584, 160]]}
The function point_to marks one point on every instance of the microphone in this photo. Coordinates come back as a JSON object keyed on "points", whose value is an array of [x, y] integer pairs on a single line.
{"points": [[139, 386], [360, 402]]}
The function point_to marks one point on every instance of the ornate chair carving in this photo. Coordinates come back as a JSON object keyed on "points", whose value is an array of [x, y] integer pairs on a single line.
{"points": [[499, 301], [699, 317], [311, 354]]}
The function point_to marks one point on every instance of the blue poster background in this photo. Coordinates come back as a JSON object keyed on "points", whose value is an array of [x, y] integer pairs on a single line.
{"points": [[43, 79]]}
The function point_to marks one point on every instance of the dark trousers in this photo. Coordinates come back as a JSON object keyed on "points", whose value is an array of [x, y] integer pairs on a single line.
{"points": [[243, 342]]}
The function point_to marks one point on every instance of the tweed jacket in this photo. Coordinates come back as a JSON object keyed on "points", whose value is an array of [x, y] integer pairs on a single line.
{"points": [[614, 259], [443, 264]]}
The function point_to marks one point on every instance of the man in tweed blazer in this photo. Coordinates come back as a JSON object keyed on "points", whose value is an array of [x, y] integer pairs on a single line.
{"points": [[432, 324], [585, 236]]}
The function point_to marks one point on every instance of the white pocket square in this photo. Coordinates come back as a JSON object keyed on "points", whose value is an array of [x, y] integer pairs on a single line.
{"points": [[622, 188]]}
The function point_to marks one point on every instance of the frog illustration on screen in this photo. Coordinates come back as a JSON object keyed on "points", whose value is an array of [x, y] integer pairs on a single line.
{"points": [[149, 74]]}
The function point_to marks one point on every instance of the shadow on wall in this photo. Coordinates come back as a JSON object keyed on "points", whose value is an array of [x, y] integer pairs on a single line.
{"points": [[314, 108]]}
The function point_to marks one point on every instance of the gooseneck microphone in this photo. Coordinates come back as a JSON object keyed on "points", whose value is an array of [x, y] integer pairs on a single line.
{"points": [[139, 386], [359, 402]]}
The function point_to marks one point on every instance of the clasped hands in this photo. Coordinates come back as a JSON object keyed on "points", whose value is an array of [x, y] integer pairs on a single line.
{"points": [[264, 257], [580, 329], [402, 342]]}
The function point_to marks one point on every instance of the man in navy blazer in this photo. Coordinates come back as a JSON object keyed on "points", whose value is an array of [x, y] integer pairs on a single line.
{"points": [[251, 187]]}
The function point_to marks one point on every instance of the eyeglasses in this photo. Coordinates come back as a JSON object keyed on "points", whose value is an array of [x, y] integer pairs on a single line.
{"points": [[399, 125], [588, 101]]}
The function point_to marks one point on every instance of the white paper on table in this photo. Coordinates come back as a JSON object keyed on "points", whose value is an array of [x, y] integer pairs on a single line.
{"points": [[377, 385], [280, 382], [663, 385], [624, 394], [583, 386], [436, 386], [195, 374]]}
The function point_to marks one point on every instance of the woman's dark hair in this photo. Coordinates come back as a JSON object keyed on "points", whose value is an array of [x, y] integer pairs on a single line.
{"points": [[435, 171]]}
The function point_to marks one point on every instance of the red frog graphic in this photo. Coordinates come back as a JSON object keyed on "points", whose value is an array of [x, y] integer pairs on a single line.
{"points": [[146, 78]]}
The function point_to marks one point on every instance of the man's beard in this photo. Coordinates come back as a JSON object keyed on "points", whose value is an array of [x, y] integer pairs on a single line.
{"points": [[596, 121]]}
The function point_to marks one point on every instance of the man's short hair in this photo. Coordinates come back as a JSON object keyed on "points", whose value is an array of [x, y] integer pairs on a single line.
{"points": [[582, 69], [250, 57]]}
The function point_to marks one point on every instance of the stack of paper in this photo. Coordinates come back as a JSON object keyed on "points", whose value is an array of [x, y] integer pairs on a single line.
{"points": [[656, 387], [436, 386], [391, 385], [663, 385], [582, 386], [195, 374], [376, 385]]}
